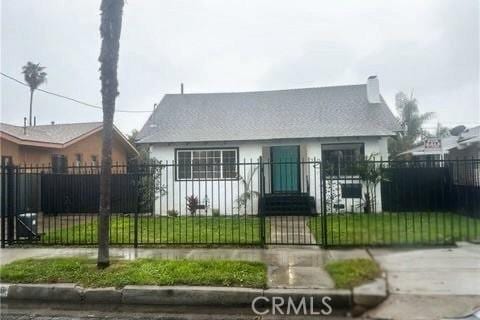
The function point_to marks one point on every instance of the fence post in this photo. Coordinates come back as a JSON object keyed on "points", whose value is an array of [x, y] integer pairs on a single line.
{"points": [[261, 200], [10, 203], [324, 206], [3, 204], [137, 207]]}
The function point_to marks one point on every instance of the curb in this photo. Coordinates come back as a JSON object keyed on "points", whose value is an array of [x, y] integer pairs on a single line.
{"points": [[340, 298], [369, 295], [187, 295], [360, 298]]}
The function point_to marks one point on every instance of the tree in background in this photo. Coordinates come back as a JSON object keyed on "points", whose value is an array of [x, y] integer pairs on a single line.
{"points": [[150, 182], [442, 131], [458, 130], [34, 76], [143, 152], [411, 120], [110, 29]]}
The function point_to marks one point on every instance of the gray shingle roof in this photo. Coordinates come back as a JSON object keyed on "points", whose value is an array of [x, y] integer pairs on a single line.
{"points": [[57, 133], [470, 133], [297, 113]]}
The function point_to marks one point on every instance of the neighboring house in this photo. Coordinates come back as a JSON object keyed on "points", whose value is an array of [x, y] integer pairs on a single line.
{"points": [[461, 152], [464, 146], [468, 145], [295, 126], [60, 145]]}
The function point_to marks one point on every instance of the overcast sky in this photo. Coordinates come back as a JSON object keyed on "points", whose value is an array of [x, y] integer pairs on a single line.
{"points": [[430, 47]]}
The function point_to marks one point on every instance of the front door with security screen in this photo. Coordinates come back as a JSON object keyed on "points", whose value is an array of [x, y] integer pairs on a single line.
{"points": [[285, 169]]}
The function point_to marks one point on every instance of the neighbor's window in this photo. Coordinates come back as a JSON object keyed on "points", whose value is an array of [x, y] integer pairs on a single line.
{"points": [[341, 159], [59, 163], [94, 160], [207, 164], [78, 159]]}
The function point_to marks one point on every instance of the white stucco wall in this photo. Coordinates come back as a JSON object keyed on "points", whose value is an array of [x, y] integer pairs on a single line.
{"points": [[223, 195]]}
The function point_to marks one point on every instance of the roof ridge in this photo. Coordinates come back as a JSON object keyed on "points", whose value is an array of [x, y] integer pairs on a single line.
{"points": [[264, 91], [67, 124], [50, 125]]}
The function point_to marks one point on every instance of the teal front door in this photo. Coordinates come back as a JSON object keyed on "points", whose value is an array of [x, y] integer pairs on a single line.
{"points": [[285, 168]]}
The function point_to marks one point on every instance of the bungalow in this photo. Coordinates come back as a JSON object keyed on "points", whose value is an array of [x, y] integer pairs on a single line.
{"points": [[215, 146], [60, 145]]}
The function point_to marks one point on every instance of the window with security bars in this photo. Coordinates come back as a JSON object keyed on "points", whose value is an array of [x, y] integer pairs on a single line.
{"points": [[206, 164], [342, 159]]}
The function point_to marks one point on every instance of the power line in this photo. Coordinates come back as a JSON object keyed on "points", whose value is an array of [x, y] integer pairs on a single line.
{"points": [[72, 99]]}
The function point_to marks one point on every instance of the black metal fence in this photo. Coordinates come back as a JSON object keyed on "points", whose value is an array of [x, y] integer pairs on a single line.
{"points": [[250, 203]]}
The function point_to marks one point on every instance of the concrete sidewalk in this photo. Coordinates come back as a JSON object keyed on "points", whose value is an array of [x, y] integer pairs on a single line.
{"points": [[448, 271], [429, 283], [287, 267]]}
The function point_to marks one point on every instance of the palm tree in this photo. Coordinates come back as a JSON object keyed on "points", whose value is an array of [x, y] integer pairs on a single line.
{"points": [[110, 29], [411, 120], [34, 76]]}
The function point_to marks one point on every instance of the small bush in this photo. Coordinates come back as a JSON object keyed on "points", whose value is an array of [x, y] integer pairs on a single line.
{"points": [[192, 204], [216, 212], [172, 213]]}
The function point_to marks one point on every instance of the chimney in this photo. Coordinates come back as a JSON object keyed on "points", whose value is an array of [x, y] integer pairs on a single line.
{"points": [[52, 123], [24, 125], [34, 121], [373, 90], [181, 88]]}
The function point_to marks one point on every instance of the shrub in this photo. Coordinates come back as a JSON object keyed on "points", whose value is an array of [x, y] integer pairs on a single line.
{"points": [[192, 204], [216, 212]]}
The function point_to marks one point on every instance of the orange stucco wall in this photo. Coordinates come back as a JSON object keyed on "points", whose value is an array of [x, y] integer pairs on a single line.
{"points": [[11, 149], [88, 147]]}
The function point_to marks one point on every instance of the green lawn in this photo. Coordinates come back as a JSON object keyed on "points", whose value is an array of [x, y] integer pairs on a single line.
{"points": [[137, 272], [352, 272], [396, 228], [235, 230]]}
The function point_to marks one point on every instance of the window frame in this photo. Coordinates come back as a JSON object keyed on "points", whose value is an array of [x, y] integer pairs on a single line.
{"points": [[325, 161], [221, 149], [78, 160], [64, 166]]}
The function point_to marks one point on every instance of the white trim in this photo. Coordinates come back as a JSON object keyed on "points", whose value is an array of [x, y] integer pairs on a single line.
{"points": [[220, 165]]}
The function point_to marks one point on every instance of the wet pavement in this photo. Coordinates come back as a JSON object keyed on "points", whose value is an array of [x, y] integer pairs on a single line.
{"points": [[62, 311], [424, 307], [289, 267], [291, 230], [447, 271], [429, 283]]}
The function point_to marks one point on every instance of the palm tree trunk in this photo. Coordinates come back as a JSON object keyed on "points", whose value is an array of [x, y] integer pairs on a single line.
{"points": [[31, 101], [110, 29]]}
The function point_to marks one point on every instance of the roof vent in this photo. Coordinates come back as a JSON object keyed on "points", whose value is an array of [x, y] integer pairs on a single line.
{"points": [[52, 123], [373, 90]]}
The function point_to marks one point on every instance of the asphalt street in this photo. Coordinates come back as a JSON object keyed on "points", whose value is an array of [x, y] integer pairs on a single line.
{"points": [[36, 313]]}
